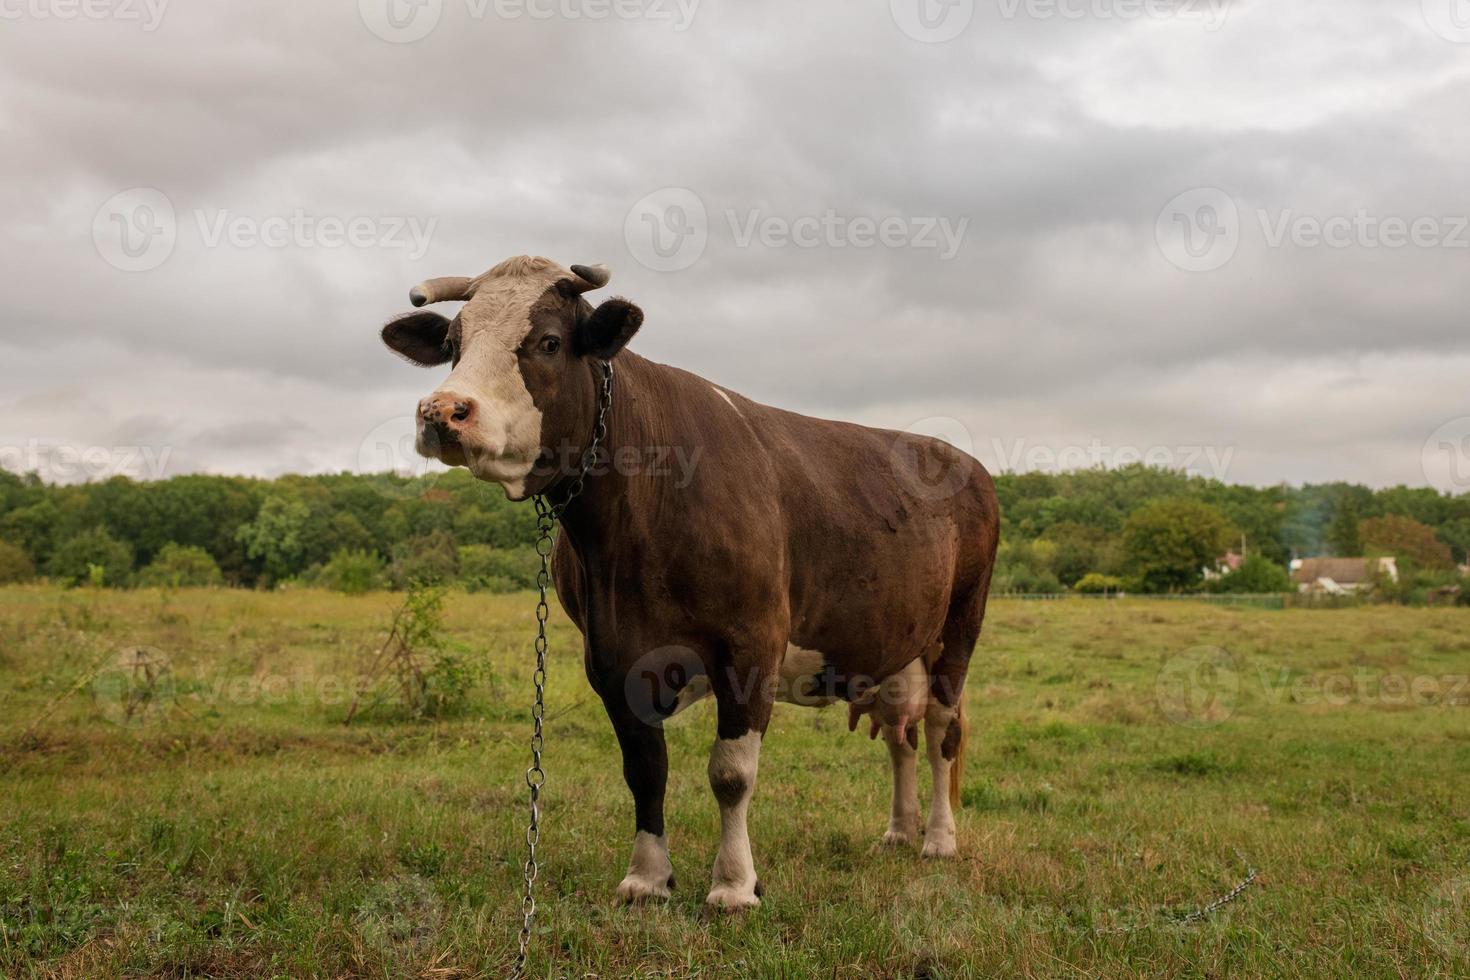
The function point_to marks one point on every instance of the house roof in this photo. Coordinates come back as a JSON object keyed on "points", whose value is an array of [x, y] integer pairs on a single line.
{"points": [[1343, 571]]}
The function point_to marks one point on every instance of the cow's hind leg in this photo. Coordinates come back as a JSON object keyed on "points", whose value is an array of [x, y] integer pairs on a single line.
{"points": [[944, 720], [903, 815]]}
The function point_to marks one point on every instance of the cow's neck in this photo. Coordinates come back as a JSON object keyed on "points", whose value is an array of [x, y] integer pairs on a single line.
{"points": [[627, 473]]}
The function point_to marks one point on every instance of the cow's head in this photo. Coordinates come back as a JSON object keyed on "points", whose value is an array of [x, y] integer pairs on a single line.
{"points": [[526, 351]]}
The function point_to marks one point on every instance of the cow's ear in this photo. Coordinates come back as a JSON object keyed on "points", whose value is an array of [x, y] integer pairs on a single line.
{"points": [[609, 327], [419, 338]]}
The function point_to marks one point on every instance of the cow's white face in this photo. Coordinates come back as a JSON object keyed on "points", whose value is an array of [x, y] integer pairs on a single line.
{"points": [[520, 387]]}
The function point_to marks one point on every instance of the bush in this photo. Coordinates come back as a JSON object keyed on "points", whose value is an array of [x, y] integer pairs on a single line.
{"points": [[1096, 583], [486, 569], [430, 559], [180, 565], [1257, 574], [15, 564], [352, 571], [92, 557]]}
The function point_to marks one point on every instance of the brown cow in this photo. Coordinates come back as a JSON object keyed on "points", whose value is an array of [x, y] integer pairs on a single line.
{"points": [[794, 558]]}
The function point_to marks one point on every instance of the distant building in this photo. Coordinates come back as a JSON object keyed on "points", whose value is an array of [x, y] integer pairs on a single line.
{"points": [[1341, 576], [1224, 565]]}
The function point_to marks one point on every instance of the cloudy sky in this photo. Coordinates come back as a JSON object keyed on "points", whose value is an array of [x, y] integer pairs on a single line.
{"points": [[1229, 236]]}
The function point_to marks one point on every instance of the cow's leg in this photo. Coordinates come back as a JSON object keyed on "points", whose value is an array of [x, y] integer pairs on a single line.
{"points": [[744, 695], [903, 816], [646, 771], [944, 719], [942, 730]]}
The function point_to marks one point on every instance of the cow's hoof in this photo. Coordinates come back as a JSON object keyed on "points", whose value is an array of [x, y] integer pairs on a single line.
{"points": [[940, 845], [898, 838], [733, 898], [635, 890]]}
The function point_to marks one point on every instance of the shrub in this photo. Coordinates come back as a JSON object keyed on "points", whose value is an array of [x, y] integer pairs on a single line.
{"points": [[180, 565], [1096, 583], [1257, 574], [429, 559], [352, 571], [15, 564], [92, 557], [486, 569]]}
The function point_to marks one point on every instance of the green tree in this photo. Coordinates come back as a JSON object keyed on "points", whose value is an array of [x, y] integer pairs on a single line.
{"points": [[274, 538], [483, 568], [1167, 544], [92, 556], [15, 564], [181, 565], [1342, 533], [1407, 540]]}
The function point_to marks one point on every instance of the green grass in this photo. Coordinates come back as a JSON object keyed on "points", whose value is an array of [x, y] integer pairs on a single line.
{"points": [[238, 829]]}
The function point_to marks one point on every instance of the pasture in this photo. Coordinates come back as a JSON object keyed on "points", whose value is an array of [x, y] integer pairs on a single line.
{"points": [[1120, 753]]}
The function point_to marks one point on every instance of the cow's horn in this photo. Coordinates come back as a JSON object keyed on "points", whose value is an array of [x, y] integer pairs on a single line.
{"points": [[593, 276], [442, 290]]}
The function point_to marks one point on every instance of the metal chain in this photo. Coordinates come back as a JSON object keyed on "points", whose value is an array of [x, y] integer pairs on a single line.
{"points": [[1200, 914], [547, 515]]}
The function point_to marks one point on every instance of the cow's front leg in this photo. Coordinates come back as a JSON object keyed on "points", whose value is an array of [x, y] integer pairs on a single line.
{"points": [[646, 771], [744, 708]]}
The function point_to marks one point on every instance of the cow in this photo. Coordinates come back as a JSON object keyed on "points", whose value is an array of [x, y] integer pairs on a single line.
{"points": [[796, 558]]}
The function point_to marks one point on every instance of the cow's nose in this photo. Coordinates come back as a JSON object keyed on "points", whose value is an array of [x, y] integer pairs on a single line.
{"points": [[448, 411]]}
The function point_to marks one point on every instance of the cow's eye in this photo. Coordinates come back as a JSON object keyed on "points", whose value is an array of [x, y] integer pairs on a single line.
{"points": [[550, 344]]}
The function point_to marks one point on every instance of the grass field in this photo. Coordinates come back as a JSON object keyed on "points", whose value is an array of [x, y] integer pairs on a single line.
{"points": [[1120, 752]]}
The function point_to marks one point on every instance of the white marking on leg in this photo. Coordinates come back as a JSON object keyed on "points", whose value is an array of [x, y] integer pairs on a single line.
{"points": [[649, 869], [939, 834], [798, 668], [732, 769], [903, 815]]}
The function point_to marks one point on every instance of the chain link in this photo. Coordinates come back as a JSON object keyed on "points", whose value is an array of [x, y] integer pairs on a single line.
{"points": [[547, 516], [1200, 914]]}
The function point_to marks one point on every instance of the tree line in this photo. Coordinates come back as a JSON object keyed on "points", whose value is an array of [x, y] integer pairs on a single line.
{"points": [[1136, 528]]}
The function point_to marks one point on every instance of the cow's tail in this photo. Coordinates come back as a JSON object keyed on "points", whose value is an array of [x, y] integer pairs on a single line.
{"points": [[957, 764]]}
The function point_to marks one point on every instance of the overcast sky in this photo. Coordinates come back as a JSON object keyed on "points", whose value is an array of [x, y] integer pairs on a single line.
{"points": [[1225, 236]]}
